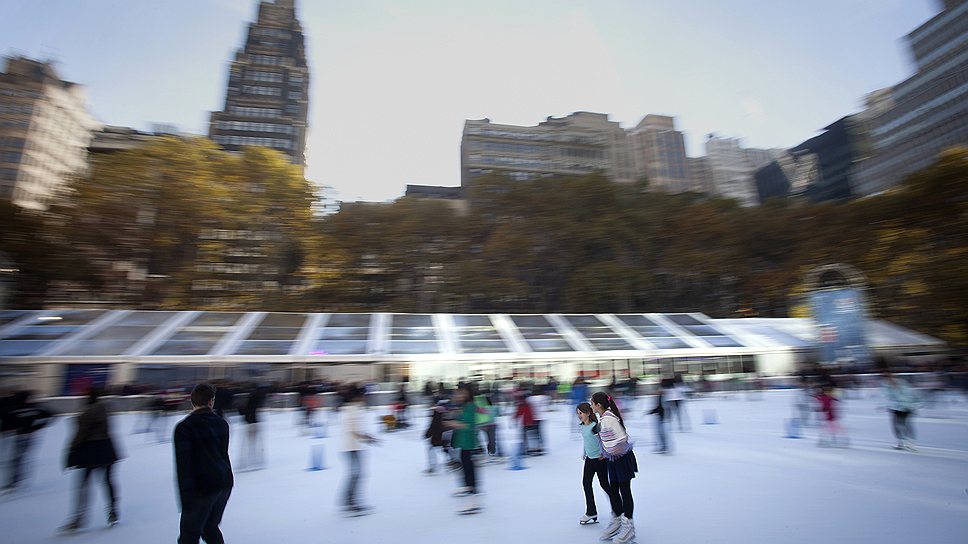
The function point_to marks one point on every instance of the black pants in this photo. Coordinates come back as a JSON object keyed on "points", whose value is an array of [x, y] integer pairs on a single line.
{"points": [[470, 472], [490, 431], [201, 516], [82, 490], [18, 458], [597, 467], [355, 459], [902, 427], [621, 497]]}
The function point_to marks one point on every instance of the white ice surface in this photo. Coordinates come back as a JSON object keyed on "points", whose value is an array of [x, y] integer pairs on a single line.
{"points": [[737, 481]]}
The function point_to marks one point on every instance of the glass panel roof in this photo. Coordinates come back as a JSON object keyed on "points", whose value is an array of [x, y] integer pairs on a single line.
{"points": [[40, 333], [597, 333], [200, 335], [7, 316], [652, 332], [274, 335], [119, 337], [706, 332], [343, 334], [540, 334], [412, 333], [476, 334]]}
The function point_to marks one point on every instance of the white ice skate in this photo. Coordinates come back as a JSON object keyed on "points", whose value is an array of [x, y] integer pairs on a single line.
{"points": [[612, 529], [587, 520], [626, 534]]}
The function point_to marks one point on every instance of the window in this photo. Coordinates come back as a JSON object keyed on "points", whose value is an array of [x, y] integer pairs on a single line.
{"points": [[262, 91], [255, 112]]}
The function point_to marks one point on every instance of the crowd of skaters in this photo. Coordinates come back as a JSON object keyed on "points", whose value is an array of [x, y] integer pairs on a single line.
{"points": [[462, 431]]}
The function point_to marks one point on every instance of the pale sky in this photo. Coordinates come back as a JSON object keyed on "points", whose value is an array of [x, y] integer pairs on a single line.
{"points": [[393, 80]]}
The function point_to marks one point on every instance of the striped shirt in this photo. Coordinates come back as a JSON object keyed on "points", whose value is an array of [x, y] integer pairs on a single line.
{"points": [[615, 441]]}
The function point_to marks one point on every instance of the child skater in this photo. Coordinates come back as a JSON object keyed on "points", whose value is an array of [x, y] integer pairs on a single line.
{"points": [[832, 433], [620, 460], [594, 465]]}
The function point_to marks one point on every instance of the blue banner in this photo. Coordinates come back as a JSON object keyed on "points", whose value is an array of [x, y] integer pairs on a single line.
{"points": [[840, 316]]}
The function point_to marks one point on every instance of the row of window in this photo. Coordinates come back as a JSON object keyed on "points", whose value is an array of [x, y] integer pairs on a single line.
{"points": [[254, 126], [235, 268], [8, 173], [256, 75], [533, 136], [20, 92], [231, 234], [260, 90], [255, 112], [581, 153], [271, 33], [9, 141], [17, 108], [268, 59], [12, 157], [277, 143]]}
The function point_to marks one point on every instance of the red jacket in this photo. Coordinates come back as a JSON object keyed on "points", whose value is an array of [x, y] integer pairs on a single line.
{"points": [[524, 413], [827, 406]]}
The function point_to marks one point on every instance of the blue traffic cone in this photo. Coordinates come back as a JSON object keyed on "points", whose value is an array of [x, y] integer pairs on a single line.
{"points": [[793, 428], [709, 417], [316, 458], [516, 455]]}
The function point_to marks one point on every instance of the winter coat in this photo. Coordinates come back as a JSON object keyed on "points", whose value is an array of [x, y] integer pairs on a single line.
{"points": [[435, 432], [202, 464], [92, 445]]}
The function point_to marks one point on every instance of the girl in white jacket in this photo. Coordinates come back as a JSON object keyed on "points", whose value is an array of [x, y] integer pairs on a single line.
{"points": [[617, 449]]}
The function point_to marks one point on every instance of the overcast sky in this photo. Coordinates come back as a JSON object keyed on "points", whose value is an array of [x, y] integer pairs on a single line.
{"points": [[394, 80]]}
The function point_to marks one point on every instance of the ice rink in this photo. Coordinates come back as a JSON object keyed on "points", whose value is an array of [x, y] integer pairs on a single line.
{"points": [[737, 481]]}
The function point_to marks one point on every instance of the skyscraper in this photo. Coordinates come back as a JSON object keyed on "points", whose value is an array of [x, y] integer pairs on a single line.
{"points": [[45, 128], [267, 99], [921, 116], [659, 151]]}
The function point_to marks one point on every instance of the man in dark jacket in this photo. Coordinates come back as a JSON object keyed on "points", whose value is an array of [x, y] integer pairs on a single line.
{"points": [[203, 469], [21, 420]]}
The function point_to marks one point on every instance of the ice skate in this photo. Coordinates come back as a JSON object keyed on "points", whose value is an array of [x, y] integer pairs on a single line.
{"points": [[113, 518], [612, 529], [626, 532], [470, 507], [909, 446], [356, 510], [70, 527], [462, 492], [587, 520]]}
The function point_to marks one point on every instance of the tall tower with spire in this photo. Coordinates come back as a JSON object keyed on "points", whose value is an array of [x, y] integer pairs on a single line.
{"points": [[267, 99]]}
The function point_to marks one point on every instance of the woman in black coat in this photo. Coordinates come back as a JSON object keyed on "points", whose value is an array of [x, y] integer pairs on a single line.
{"points": [[92, 449]]}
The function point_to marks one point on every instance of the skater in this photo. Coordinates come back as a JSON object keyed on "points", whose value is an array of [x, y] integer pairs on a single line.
{"points": [[805, 401], [487, 422], [92, 449], [902, 403], [832, 434], [253, 452], [202, 468], [662, 443], [23, 418], [354, 438], [620, 459], [539, 402], [594, 465], [465, 438], [435, 434], [676, 398], [525, 414]]}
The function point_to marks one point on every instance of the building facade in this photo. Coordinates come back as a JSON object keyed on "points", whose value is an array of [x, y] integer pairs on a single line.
{"points": [[732, 171], [659, 154], [267, 98], [700, 175], [579, 144], [45, 129], [925, 113]]}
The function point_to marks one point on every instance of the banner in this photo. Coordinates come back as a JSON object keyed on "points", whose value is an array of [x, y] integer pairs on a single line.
{"points": [[840, 316]]}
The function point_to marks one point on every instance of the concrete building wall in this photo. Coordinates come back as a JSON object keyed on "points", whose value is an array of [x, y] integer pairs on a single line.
{"points": [[45, 129]]}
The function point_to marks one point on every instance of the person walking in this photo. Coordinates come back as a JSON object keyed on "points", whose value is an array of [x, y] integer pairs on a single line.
{"points": [[92, 448], [902, 403], [203, 469], [594, 465], [23, 418], [622, 466], [354, 437]]}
